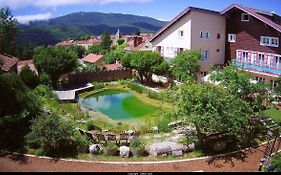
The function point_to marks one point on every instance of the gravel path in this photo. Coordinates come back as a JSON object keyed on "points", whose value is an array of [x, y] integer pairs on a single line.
{"points": [[243, 162]]}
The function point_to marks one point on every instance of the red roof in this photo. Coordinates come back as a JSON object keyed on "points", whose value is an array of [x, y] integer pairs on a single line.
{"points": [[92, 58], [254, 13], [115, 66], [7, 62], [65, 43], [183, 13]]}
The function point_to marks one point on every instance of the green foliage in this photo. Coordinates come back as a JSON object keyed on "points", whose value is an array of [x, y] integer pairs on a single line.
{"points": [[8, 31], [88, 68], [163, 123], [120, 41], [138, 32], [54, 61], [96, 49], [186, 65], [117, 54], [111, 145], [212, 109], [137, 144], [25, 51], [79, 50], [29, 77], [54, 135], [154, 95], [45, 79], [276, 161], [16, 98], [134, 86], [44, 91], [145, 62], [277, 89], [105, 40]]}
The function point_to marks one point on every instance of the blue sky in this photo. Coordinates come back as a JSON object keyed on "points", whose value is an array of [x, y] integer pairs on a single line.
{"points": [[26, 10]]}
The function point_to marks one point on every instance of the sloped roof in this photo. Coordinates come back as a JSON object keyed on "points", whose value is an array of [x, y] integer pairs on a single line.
{"points": [[7, 62], [115, 66], [179, 16], [92, 58], [253, 12], [28, 63]]}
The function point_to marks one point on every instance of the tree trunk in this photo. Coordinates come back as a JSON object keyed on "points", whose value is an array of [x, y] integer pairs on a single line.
{"points": [[199, 135]]}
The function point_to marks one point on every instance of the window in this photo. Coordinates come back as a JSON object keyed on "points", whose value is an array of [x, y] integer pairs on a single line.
{"points": [[204, 35], [260, 79], [204, 74], [218, 36], [181, 33], [231, 38], [201, 34], [269, 41], [207, 35], [273, 83], [261, 58], [205, 55], [245, 17]]}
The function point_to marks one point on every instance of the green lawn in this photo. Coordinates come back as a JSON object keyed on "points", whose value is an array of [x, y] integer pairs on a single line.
{"points": [[274, 114]]}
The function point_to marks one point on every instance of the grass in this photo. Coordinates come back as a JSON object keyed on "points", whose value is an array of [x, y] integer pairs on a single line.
{"points": [[274, 114], [137, 108]]}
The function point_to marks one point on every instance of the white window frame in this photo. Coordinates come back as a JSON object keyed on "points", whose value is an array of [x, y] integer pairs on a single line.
{"points": [[204, 55], [243, 15], [232, 38], [269, 43], [201, 35], [181, 33], [207, 35]]}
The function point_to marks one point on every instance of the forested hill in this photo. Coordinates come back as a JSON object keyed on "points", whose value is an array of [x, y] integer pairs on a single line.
{"points": [[74, 25]]}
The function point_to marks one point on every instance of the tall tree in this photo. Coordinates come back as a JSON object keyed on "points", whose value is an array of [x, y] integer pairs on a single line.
{"points": [[55, 61], [213, 109], [8, 31], [186, 65], [146, 64], [25, 52], [105, 40], [138, 32]]}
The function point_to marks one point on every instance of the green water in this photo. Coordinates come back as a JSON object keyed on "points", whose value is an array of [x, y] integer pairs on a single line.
{"points": [[118, 105]]}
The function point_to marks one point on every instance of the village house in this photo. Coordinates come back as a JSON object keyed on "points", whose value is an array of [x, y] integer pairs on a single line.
{"points": [[8, 63], [29, 63], [247, 36], [93, 59]]}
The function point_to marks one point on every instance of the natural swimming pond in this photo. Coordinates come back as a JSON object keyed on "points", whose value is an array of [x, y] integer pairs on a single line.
{"points": [[118, 105]]}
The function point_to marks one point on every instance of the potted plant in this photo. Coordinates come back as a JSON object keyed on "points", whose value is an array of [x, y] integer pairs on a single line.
{"points": [[111, 149], [138, 148]]}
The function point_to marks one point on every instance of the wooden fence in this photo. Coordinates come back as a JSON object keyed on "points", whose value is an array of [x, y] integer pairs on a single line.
{"points": [[104, 76]]}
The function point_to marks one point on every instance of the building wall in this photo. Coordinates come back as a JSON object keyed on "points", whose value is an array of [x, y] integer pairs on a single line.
{"points": [[213, 24], [170, 38], [248, 35]]}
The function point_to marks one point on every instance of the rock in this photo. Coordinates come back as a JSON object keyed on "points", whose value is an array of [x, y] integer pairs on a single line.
{"points": [[130, 132], [124, 151], [155, 129], [191, 147], [177, 153], [95, 149]]}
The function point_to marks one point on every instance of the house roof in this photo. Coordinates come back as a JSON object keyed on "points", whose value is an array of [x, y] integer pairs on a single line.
{"points": [[29, 63], [92, 58], [115, 66], [255, 13], [179, 16], [7, 62]]}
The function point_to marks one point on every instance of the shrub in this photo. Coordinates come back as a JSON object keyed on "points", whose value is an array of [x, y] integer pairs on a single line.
{"points": [[45, 79], [153, 95], [137, 144], [163, 124], [29, 77], [54, 135], [40, 152]]}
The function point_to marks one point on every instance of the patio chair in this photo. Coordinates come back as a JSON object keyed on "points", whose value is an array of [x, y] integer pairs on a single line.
{"points": [[111, 137], [123, 137], [101, 138], [91, 137]]}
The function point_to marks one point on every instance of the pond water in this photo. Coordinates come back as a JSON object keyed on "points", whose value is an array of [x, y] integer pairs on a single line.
{"points": [[118, 105]]}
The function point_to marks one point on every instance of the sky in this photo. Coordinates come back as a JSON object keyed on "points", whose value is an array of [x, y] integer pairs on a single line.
{"points": [[27, 10]]}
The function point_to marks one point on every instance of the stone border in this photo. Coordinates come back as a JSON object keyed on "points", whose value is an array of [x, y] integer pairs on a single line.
{"points": [[133, 163]]}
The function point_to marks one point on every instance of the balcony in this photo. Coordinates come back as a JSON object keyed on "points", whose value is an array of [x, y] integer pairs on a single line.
{"points": [[259, 68]]}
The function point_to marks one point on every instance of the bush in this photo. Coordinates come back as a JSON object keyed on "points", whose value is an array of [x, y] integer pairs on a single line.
{"points": [[55, 136], [40, 152], [29, 77], [91, 126], [153, 95], [45, 79], [163, 124], [137, 144]]}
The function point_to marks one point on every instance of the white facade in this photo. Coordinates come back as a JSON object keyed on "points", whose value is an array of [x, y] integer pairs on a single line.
{"points": [[196, 30]]}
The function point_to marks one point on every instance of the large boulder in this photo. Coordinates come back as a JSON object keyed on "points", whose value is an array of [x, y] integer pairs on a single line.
{"points": [[177, 153], [95, 149], [124, 151]]}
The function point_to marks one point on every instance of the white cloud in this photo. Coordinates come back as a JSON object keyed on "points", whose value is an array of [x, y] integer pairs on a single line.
{"points": [[15, 4], [25, 19]]}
